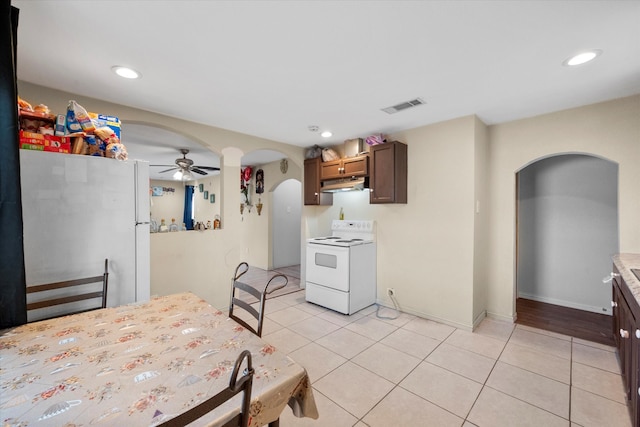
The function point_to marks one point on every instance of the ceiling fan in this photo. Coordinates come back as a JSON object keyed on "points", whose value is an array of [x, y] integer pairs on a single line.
{"points": [[185, 166]]}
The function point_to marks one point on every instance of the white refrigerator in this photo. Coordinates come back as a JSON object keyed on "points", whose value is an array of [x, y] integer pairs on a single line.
{"points": [[77, 211]]}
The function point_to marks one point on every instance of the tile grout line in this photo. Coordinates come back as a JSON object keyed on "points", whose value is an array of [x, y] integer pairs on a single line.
{"points": [[396, 385], [484, 384], [570, 378]]}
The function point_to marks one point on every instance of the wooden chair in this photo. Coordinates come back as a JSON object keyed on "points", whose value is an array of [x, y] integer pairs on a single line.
{"points": [[86, 295], [279, 281], [235, 386]]}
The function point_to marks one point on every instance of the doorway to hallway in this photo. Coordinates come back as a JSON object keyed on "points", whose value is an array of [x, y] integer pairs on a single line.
{"points": [[567, 231], [286, 216]]}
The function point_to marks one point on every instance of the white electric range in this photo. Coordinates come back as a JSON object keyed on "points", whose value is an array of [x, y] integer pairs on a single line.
{"points": [[341, 268]]}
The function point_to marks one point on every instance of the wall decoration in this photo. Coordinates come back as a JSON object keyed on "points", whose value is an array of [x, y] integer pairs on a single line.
{"points": [[259, 181], [206, 195], [212, 198], [284, 165], [156, 191], [245, 184], [201, 187], [259, 206]]}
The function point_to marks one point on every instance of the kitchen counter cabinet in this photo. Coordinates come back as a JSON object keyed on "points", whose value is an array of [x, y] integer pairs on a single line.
{"points": [[344, 168], [388, 176], [626, 327], [312, 194]]}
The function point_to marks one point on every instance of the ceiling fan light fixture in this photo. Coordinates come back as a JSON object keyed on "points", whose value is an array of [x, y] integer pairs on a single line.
{"points": [[178, 175], [126, 72]]}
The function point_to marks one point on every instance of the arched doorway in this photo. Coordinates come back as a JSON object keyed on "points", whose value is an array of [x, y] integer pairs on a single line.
{"points": [[286, 215], [567, 231]]}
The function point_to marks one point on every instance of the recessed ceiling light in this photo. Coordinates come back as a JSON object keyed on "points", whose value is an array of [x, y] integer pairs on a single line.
{"points": [[582, 58], [127, 73], [326, 134]]}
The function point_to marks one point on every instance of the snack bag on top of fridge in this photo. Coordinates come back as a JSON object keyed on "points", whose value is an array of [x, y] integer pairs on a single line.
{"points": [[78, 119]]}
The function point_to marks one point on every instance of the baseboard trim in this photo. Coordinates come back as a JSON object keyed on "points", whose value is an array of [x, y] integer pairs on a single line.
{"points": [[479, 318], [409, 310], [563, 303], [502, 317]]}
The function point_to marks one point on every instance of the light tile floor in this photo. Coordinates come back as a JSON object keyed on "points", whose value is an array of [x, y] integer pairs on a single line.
{"points": [[368, 371]]}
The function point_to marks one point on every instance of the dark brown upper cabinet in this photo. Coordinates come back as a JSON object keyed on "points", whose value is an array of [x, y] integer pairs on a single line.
{"points": [[344, 168], [312, 194], [388, 175]]}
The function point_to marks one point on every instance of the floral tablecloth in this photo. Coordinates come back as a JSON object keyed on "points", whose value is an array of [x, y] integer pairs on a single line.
{"points": [[140, 365]]}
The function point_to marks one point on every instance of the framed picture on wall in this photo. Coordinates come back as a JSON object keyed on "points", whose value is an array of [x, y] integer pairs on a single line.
{"points": [[206, 195], [201, 187], [156, 191], [212, 198]]}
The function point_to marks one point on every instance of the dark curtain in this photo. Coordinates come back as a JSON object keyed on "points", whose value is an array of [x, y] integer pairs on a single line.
{"points": [[13, 297], [188, 206]]}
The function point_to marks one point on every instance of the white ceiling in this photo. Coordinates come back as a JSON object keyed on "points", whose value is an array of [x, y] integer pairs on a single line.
{"points": [[273, 68]]}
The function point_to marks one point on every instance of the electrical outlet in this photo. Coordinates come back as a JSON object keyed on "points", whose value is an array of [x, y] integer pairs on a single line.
{"points": [[391, 292]]}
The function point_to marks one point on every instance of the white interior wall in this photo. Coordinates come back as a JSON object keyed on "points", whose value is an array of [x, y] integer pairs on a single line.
{"points": [[481, 222], [256, 231], [610, 130], [170, 204], [286, 212], [425, 247], [203, 209], [567, 231]]}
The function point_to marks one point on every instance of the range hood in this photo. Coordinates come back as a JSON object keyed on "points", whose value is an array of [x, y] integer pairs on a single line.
{"points": [[343, 185]]}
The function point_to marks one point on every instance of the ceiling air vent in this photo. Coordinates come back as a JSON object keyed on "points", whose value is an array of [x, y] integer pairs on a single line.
{"points": [[403, 106]]}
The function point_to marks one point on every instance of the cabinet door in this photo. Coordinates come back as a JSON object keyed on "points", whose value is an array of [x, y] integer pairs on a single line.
{"points": [[355, 166], [331, 170], [635, 363], [615, 310], [625, 333], [312, 194], [388, 177]]}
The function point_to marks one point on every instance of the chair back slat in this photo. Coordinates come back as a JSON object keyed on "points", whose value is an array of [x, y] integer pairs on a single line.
{"points": [[51, 301], [249, 289]]}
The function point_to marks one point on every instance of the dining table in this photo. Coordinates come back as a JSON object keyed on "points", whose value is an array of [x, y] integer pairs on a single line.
{"points": [[140, 365]]}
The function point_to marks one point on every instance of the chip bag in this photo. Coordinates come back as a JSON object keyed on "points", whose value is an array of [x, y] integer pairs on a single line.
{"points": [[78, 119]]}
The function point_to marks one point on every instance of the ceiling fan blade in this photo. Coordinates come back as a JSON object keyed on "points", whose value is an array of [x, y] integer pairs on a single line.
{"points": [[167, 170], [209, 168], [196, 170]]}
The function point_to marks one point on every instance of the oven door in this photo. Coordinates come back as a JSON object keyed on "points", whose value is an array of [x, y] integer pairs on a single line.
{"points": [[328, 266]]}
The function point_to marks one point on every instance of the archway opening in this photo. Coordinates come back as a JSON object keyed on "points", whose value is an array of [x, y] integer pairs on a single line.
{"points": [[567, 231]]}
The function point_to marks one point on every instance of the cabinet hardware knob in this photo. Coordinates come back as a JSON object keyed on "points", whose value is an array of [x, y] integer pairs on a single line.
{"points": [[614, 304], [637, 333], [316, 194], [624, 334]]}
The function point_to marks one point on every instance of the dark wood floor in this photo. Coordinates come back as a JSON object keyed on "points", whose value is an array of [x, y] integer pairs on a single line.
{"points": [[568, 321]]}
